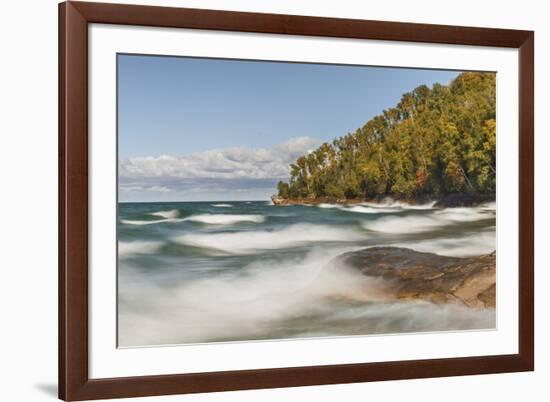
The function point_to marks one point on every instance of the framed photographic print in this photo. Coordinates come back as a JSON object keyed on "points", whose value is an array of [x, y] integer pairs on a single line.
{"points": [[259, 200]]}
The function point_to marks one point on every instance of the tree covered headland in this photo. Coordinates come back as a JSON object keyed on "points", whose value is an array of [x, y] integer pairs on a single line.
{"points": [[435, 141]]}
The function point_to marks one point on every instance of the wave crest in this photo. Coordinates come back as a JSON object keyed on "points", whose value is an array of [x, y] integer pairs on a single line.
{"points": [[467, 246], [424, 223], [128, 248], [328, 206], [153, 222], [391, 203], [219, 219], [370, 210], [171, 214], [255, 241]]}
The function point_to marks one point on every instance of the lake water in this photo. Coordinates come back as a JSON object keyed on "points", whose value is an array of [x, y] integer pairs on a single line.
{"points": [[193, 272]]}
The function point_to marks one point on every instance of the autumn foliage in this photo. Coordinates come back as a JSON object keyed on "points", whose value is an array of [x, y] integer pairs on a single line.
{"points": [[437, 140]]}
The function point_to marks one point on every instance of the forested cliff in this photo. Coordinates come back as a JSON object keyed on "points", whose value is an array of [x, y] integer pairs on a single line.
{"points": [[436, 141]]}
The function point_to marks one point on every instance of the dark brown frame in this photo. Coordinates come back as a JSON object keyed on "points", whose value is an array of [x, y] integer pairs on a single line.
{"points": [[74, 383]]}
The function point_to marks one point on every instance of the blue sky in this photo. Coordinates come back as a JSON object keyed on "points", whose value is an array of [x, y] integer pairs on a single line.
{"points": [[205, 129]]}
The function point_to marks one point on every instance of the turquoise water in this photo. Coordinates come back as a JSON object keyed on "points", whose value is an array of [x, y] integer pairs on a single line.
{"points": [[194, 272]]}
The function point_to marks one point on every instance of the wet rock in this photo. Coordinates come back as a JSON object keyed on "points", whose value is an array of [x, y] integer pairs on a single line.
{"points": [[316, 201], [410, 274], [441, 201]]}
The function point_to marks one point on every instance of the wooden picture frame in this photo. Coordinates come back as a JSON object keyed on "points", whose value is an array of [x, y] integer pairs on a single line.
{"points": [[74, 381]]}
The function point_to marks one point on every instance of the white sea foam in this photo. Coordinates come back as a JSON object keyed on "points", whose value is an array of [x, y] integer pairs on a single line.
{"points": [[222, 205], [230, 305], [171, 214], [427, 222], [259, 300], [128, 248], [134, 222], [464, 214], [390, 203], [250, 242], [219, 219], [467, 246], [153, 222], [328, 206], [428, 205], [408, 224], [370, 210]]}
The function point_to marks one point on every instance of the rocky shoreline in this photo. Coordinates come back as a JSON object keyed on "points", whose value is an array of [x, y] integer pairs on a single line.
{"points": [[316, 201], [441, 201], [406, 274]]}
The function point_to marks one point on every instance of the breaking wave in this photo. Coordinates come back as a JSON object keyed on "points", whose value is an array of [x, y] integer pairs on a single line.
{"points": [[215, 219], [465, 214], [328, 206], [275, 277], [173, 213], [429, 205], [425, 223], [467, 246], [239, 305], [390, 203], [149, 222], [168, 216], [251, 242], [126, 249], [222, 205], [370, 210], [274, 299]]}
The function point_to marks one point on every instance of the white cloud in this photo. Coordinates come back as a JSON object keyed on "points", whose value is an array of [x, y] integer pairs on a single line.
{"points": [[229, 163], [159, 189], [130, 188], [154, 189]]}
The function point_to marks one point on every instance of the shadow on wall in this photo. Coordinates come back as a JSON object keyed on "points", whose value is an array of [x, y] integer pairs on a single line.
{"points": [[48, 389]]}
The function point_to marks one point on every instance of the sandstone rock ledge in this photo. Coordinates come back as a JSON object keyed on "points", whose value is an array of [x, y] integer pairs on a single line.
{"points": [[441, 201], [409, 274], [316, 201]]}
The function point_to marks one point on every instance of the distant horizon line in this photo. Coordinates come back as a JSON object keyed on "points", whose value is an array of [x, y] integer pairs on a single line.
{"points": [[173, 202]]}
